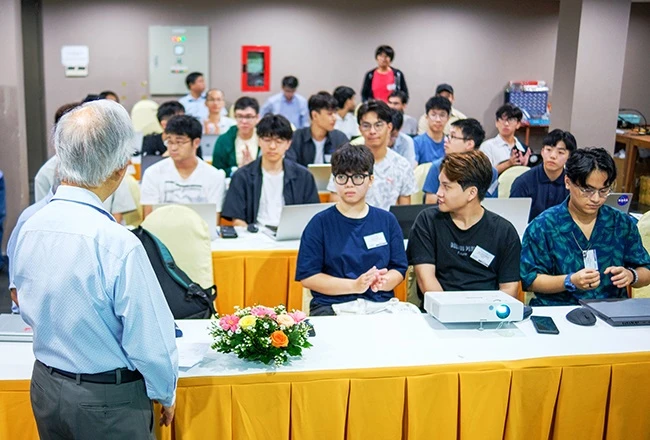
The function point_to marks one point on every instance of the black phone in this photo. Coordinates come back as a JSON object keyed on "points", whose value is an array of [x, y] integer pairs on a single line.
{"points": [[311, 333], [544, 325], [228, 232]]}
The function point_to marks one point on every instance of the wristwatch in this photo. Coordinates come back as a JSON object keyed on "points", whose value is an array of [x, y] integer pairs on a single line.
{"points": [[568, 285]]}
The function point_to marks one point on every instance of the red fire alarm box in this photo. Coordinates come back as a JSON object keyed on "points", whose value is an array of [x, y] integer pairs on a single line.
{"points": [[256, 68]]}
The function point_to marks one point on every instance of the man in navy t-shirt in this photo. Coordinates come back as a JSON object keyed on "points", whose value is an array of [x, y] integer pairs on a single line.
{"points": [[545, 184], [351, 250]]}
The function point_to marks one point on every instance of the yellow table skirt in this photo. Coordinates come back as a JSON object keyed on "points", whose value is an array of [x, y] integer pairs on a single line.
{"points": [[578, 397], [246, 278]]}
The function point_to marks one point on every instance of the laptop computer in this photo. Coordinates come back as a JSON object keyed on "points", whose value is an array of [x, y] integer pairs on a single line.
{"points": [[207, 145], [294, 219], [147, 161], [322, 174], [621, 311], [620, 201], [14, 329], [406, 215], [207, 211], [515, 210]]}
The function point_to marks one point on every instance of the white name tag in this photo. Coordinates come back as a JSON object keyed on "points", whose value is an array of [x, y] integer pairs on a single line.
{"points": [[482, 256], [590, 259], [375, 240]]}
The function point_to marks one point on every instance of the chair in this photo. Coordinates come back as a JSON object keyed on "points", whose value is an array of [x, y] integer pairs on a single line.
{"points": [[507, 177], [187, 237], [134, 218], [144, 117], [644, 230], [421, 172]]}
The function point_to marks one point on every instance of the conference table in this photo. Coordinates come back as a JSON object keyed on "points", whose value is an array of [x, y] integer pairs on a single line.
{"points": [[399, 377], [256, 269], [632, 143]]}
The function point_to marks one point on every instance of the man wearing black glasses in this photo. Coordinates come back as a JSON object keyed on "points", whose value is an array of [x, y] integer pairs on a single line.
{"points": [[394, 180], [582, 248]]}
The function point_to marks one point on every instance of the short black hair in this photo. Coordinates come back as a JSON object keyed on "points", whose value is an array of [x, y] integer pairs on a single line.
{"points": [[274, 126], [397, 119], [352, 159], [290, 82], [245, 102], [386, 50], [584, 161], [379, 107], [169, 109], [509, 111], [438, 103], [401, 94], [342, 94], [321, 101], [184, 125], [90, 98], [558, 135], [191, 78], [471, 129], [105, 93]]}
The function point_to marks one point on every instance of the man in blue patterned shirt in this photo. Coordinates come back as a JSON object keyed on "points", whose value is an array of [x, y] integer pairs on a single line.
{"points": [[104, 338], [581, 248]]}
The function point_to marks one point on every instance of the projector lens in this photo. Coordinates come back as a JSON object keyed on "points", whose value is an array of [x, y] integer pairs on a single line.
{"points": [[503, 311]]}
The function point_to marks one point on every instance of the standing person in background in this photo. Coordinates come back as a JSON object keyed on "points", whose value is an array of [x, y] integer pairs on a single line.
{"points": [[289, 104], [216, 122], [194, 102], [379, 83]]}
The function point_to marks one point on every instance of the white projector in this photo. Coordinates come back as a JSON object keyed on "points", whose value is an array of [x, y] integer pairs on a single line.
{"points": [[475, 306]]}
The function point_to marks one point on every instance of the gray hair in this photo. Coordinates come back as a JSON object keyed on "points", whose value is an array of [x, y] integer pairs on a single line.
{"points": [[92, 142]]}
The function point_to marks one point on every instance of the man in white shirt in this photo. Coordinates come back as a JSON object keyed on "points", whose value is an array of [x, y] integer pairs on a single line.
{"points": [[194, 102], [259, 190], [182, 178], [394, 180], [346, 122], [504, 150]]}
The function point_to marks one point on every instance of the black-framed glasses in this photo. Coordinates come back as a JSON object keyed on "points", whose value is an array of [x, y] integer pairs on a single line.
{"points": [[357, 179], [451, 137], [505, 119]]}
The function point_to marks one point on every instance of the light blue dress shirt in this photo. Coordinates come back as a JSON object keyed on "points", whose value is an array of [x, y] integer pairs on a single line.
{"points": [[88, 290], [296, 110], [404, 147], [195, 106]]}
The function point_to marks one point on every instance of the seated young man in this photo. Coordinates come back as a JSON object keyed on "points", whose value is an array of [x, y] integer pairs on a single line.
{"points": [[288, 103], [154, 144], [459, 245], [582, 248], [398, 100], [446, 91], [351, 250], [465, 135], [259, 190], [545, 184], [430, 146], [182, 177], [401, 143], [394, 180], [239, 145], [504, 150], [316, 143], [346, 122]]}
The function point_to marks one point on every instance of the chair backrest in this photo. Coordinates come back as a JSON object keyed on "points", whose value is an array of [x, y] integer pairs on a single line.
{"points": [[507, 177], [644, 230], [421, 172], [144, 117], [187, 237], [134, 218]]}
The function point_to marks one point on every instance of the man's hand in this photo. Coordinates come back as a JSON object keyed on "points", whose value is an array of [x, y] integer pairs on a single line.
{"points": [[246, 157], [380, 280], [167, 414], [621, 277], [586, 279]]}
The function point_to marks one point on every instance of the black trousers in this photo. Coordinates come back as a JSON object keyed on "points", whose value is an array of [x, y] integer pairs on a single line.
{"points": [[67, 409]]}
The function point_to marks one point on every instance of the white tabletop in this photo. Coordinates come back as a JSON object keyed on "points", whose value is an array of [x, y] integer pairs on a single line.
{"points": [[248, 241], [356, 342]]}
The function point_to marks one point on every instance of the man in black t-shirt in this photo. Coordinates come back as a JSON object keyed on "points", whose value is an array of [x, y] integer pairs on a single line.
{"points": [[459, 245]]}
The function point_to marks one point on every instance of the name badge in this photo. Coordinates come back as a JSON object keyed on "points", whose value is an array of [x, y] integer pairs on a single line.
{"points": [[391, 87], [375, 240], [482, 256], [590, 259]]}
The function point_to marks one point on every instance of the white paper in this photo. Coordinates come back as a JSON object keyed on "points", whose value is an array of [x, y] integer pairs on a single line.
{"points": [[190, 354]]}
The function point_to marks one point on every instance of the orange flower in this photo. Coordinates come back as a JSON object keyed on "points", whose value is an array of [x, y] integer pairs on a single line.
{"points": [[279, 339]]}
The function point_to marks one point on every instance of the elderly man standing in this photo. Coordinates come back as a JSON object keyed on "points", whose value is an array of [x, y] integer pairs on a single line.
{"points": [[103, 333]]}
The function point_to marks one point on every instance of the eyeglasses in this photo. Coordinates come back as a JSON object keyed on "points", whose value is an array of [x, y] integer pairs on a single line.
{"points": [[451, 137], [589, 192], [506, 120], [366, 126], [245, 117], [273, 140], [169, 142], [357, 179], [438, 116]]}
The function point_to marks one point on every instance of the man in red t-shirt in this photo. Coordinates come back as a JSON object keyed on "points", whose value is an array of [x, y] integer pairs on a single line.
{"points": [[379, 83]]}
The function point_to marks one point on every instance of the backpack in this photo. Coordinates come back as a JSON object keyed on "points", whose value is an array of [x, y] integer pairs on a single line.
{"points": [[186, 299]]}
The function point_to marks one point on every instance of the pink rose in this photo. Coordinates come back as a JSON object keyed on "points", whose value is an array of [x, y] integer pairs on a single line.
{"points": [[298, 316], [285, 320], [229, 322], [261, 311]]}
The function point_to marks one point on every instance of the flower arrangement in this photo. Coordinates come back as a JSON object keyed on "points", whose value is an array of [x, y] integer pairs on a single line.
{"points": [[263, 334]]}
